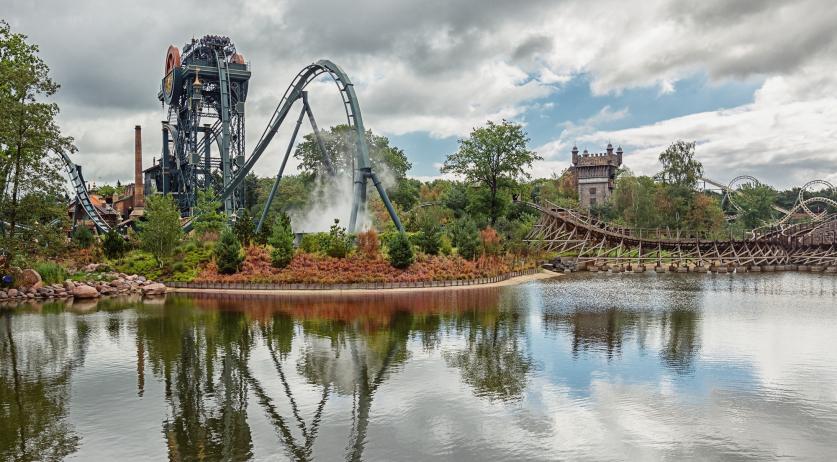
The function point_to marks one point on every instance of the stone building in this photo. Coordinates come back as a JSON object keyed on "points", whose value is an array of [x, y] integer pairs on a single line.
{"points": [[595, 174]]}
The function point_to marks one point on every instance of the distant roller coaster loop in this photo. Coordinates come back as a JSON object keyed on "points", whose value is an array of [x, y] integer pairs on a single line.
{"points": [[803, 202]]}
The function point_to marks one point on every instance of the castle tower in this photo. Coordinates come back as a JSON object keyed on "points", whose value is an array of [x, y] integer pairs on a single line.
{"points": [[595, 175]]}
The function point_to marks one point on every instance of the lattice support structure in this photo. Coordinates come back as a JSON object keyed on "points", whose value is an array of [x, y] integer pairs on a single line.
{"points": [[570, 232]]}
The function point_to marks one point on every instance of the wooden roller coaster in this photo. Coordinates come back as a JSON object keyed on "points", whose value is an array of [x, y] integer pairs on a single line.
{"points": [[577, 234]]}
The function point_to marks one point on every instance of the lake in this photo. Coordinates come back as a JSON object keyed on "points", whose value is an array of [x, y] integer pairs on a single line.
{"points": [[596, 367]]}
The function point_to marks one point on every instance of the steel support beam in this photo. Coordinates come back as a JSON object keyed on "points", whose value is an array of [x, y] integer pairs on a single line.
{"points": [[281, 171]]}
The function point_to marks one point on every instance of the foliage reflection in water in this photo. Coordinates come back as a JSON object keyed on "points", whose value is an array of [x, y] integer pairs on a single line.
{"points": [[602, 367]]}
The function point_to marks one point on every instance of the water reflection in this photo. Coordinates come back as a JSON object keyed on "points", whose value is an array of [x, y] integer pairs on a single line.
{"points": [[37, 359], [594, 367], [202, 348]]}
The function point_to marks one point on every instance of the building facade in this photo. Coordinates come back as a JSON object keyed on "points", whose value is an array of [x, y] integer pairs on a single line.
{"points": [[595, 175]]}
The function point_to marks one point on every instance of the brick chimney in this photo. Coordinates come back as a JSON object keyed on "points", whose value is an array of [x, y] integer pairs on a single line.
{"points": [[139, 194]]}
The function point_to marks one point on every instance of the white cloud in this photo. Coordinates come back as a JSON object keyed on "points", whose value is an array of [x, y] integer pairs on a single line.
{"points": [[442, 67]]}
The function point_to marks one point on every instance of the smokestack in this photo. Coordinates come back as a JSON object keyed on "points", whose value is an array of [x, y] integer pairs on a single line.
{"points": [[139, 194]]}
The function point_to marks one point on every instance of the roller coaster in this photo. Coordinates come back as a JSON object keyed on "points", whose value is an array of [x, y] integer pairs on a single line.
{"points": [[808, 243], [209, 82]]}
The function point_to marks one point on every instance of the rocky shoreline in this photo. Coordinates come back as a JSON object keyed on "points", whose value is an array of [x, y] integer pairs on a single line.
{"points": [[108, 284]]}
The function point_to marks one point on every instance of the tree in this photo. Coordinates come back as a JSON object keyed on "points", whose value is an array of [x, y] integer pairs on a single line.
{"points": [[428, 239], [206, 217], [106, 191], [495, 156], [705, 214], [28, 132], [282, 241], [406, 193], [680, 168], [466, 238], [756, 202], [400, 251], [340, 146], [338, 241], [83, 237], [114, 245], [244, 228], [633, 201], [456, 199], [160, 231], [228, 257]]}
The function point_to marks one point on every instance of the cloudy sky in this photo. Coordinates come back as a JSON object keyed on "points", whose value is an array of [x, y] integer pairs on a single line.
{"points": [[753, 82]]}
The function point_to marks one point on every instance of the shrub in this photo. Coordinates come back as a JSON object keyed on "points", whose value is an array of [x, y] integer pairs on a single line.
{"points": [[194, 255], [228, 257], [315, 242], [338, 241], [83, 237], [445, 246], [114, 245], [368, 244], [490, 241], [428, 239], [139, 262], [282, 241], [400, 252], [51, 273]]}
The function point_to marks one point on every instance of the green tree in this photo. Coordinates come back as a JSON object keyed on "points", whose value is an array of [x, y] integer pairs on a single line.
{"points": [[340, 146], [494, 156], [160, 231], [456, 199], [114, 245], [244, 228], [466, 238], [633, 201], [206, 216], [28, 132], [428, 239], [106, 191], [680, 168], [228, 255], [282, 241], [400, 251], [406, 193], [756, 202], [83, 237], [338, 241]]}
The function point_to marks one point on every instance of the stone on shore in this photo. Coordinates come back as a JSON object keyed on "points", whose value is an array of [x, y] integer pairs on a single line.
{"points": [[30, 278], [155, 288], [85, 291]]}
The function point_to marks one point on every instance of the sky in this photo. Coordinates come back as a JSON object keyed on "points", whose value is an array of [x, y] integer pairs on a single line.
{"points": [[752, 82]]}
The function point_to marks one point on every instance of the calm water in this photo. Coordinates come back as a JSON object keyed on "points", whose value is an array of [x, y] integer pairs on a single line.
{"points": [[599, 367]]}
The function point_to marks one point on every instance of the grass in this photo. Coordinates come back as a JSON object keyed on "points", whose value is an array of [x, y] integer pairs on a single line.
{"points": [[51, 273]]}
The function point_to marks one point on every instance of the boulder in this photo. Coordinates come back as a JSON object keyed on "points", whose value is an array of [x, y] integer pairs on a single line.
{"points": [[68, 285], [30, 278], [154, 289], [82, 291], [12, 292]]}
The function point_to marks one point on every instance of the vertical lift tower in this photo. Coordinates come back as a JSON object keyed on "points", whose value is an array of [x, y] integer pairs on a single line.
{"points": [[204, 89]]}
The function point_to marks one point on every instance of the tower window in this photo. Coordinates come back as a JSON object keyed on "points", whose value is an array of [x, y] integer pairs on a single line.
{"points": [[592, 191]]}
